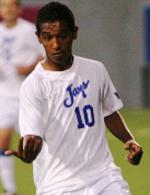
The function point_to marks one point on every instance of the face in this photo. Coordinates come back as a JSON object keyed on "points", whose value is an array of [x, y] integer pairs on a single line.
{"points": [[9, 10], [57, 39]]}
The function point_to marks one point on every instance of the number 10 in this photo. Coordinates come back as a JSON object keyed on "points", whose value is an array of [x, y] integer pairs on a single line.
{"points": [[88, 115]]}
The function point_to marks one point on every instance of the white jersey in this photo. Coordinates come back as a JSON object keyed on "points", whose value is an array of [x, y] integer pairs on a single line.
{"points": [[67, 109], [18, 47]]}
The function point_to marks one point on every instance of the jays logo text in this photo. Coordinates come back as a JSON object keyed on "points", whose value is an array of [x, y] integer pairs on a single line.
{"points": [[73, 92]]}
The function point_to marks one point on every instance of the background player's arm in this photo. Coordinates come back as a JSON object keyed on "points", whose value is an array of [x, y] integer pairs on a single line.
{"points": [[25, 70], [33, 45], [116, 124]]}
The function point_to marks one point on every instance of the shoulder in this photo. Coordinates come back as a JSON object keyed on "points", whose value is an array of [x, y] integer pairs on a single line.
{"points": [[26, 25], [32, 83], [90, 63]]}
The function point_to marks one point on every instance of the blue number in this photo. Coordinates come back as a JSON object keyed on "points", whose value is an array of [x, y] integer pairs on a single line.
{"points": [[88, 114], [79, 119]]}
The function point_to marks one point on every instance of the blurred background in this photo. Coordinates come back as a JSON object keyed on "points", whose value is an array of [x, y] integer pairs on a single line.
{"points": [[117, 33]]}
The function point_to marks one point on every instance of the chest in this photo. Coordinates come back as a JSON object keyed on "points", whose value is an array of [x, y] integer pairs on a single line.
{"points": [[12, 41]]}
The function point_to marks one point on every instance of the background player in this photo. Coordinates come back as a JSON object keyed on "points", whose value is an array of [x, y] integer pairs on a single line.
{"points": [[67, 101], [19, 52]]}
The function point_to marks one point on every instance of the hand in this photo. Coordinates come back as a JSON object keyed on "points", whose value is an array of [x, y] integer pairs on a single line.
{"points": [[135, 152], [28, 148]]}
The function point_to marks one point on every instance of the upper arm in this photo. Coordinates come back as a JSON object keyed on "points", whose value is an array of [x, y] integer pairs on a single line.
{"points": [[30, 111], [111, 101]]}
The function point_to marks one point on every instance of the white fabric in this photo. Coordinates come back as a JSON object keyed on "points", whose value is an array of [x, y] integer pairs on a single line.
{"points": [[67, 109], [9, 108], [120, 188], [7, 173], [111, 184], [18, 47]]}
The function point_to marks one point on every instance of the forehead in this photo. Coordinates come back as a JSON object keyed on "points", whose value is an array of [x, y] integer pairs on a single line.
{"points": [[54, 26]]}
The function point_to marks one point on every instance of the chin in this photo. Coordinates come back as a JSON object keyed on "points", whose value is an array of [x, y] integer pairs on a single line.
{"points": [[59, 60]]}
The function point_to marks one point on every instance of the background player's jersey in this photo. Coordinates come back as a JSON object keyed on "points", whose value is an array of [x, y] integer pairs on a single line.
{"points": [[18, 47], [67, 109]]}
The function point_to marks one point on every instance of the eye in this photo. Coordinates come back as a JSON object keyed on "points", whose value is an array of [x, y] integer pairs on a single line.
{"points": [[63, 35], [46, 37]]}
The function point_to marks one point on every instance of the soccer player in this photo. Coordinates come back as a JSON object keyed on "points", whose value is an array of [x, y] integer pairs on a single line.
{"points": [[19, 53], [65, 104]]}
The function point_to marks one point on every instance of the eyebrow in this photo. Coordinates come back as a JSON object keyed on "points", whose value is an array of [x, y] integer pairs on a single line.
{"points": [[44, 32]]}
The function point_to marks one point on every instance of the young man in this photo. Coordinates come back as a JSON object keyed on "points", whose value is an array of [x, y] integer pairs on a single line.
{"points": [[19, 53], [65, 104]]}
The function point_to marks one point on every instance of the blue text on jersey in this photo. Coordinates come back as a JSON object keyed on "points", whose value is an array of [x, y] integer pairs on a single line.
{"points": [[75, 91]]}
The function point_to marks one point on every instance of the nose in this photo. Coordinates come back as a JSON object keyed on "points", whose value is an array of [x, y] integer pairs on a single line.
{"points": [[56, 44]]}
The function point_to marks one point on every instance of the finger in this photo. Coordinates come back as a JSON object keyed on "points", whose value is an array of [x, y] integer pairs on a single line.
{"points": [[20, 146], [32, 143], [28, 148], [132, 147], [128, 146], [135, 159], [35, 146], [28, 143], [20, 153], [130, 143], [38, 145], [25, 143], [133, 153], [137, 156], [135, 150], [10, 152], [25, 159]]}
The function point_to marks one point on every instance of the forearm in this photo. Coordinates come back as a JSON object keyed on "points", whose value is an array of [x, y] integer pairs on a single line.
{"points": [[117, 126], [25, 70]]}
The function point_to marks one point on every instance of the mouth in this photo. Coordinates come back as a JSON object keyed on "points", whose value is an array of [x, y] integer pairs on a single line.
{"points": [[58, 54]]}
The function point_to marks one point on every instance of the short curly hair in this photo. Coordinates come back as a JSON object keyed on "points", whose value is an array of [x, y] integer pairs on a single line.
{"points": [[55, 11]]}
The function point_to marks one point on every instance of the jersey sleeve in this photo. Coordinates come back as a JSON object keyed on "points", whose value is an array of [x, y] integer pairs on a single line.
{"points": [[111, 100], [30, 111]]}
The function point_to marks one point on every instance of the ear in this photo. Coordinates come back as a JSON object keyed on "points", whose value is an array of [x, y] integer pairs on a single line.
{"points": [[75, 32]]}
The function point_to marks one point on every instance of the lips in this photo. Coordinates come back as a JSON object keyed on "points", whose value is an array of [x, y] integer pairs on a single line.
{"points": [[58, 54]]}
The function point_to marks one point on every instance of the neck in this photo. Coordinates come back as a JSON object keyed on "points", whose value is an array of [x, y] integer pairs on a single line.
{"points": [[11, 24], [47, 65]]}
